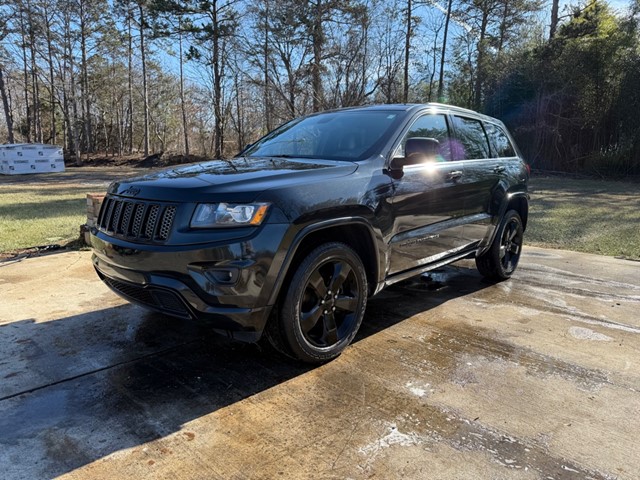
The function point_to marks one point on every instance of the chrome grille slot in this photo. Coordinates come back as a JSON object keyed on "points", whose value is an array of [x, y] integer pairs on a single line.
{"points": [[152, 221], [126, 217], [136, 220], [115, 219], [167, 221], [109, 215], [103, 210]]}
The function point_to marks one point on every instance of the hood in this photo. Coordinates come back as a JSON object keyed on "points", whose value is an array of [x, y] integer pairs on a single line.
{"points": [[237, 180]]}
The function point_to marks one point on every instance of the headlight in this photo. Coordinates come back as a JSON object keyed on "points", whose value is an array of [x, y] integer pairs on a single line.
{"points": [[209, 215]]}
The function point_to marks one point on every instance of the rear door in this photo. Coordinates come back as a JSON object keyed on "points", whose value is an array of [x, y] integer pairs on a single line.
{"points": [[484, 171], [426, 203]]}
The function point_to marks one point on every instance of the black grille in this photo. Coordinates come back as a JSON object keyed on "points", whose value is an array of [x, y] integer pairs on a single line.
{"points": [[164, 300], [136, 220]]}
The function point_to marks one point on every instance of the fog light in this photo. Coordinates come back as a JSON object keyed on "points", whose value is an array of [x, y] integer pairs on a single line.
{"points": [[222, 276]]}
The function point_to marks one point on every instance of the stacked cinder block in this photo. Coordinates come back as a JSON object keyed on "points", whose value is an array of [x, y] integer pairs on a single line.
{"points": [[94, 202]]}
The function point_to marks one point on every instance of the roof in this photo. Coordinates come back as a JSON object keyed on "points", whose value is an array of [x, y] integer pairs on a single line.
{"points": [[407, 107]]}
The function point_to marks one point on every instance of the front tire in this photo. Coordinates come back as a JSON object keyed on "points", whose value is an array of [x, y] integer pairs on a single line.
{"points": [[500, 261], [324, 304]]}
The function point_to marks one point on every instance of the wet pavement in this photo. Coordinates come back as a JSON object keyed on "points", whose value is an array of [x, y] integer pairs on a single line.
{"points": [[450, 377]]}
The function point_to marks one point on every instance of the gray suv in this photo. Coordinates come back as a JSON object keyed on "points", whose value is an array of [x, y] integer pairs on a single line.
{"points": [[291, 237]]}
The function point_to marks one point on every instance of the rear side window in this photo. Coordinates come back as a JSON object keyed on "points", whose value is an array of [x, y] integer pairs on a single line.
{"points": [[432, 126], [500, 143], [472, 142]]}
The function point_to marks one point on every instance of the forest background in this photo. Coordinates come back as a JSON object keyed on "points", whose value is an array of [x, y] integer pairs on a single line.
{"points": [[205, 78]]}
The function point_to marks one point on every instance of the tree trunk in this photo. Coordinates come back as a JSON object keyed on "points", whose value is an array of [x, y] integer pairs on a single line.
{"points": [[25, 72], [434, 62], [407, 51], [145, 91], [239, 109], [66, 124], [52, 97], [119, 129], [84, 82], [35, 87], [107, 144], [70, 140], [7, 110], [267, 105], [363, 66], [75, 134], [477, 92], [317, 37], [554, 18], [217, 84], [74, 122], [444, 50], [503, 26], [129, 119], [292, 94], [185, 125]]}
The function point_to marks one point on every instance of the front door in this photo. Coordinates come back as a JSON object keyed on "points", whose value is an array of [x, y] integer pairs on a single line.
{"points": [[427, 204]]}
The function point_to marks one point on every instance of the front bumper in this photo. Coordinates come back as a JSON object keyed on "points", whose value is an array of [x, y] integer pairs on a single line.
{"points": [[227, 285]]}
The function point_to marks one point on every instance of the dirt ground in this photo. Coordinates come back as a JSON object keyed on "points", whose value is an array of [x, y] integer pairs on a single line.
{"points": [[100, 170], [450, 378], [100, 177]]}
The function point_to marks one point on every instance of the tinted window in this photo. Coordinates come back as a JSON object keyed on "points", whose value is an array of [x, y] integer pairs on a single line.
{"points": [[472, 141], [345, 135], [432, 126], [500, 144]]}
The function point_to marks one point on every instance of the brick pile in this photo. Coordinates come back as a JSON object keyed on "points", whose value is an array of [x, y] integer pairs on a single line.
{"points": [[94, 201]]}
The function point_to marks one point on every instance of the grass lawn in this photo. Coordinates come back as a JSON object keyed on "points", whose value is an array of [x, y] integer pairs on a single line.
{"points": [[40, 216], [47, 208], [594, 216]]}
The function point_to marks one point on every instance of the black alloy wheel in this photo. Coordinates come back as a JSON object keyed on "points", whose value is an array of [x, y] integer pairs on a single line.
{"points": [[329, 304], [501, 259], [324, 304], [511, 245]]}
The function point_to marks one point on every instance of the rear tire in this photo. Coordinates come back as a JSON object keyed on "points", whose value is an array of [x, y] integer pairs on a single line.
{"points": [[323, 306], [501, 259]]}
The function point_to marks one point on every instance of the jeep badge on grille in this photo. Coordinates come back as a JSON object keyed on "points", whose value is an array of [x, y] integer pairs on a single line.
{"points": [[131, 191]]}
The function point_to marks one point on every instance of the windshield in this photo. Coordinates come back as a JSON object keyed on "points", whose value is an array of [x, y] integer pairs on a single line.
{"points": [[343, 135]]}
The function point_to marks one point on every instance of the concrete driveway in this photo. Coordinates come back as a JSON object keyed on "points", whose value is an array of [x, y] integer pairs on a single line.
{"points": [[537, 377]]}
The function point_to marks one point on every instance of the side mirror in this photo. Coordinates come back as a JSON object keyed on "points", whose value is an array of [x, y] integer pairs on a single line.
{"points": [[417, 150]]}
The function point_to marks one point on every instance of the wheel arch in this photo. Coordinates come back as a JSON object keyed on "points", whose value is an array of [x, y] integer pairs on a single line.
{"points": [[355, 232], [518, 201]]}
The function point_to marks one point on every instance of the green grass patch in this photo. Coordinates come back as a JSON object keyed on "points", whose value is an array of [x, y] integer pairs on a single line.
{"points": [[33, 215], [594, 216]]}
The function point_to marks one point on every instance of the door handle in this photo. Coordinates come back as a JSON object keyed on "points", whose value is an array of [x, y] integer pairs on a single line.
{"points": [[455, 175], [499, 169]]}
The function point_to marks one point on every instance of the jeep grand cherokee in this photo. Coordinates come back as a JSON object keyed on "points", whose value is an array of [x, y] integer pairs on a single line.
{"points": [[290, 237]]}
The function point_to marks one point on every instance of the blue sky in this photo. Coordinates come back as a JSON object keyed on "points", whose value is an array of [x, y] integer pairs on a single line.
{"points": [[619, 4]]}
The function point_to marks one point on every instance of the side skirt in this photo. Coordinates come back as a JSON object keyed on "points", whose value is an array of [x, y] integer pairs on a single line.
{"points": [[468, 252]]}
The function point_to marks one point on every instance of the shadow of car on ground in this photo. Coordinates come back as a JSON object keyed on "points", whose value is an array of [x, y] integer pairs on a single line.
{"points": [[80, 388]]}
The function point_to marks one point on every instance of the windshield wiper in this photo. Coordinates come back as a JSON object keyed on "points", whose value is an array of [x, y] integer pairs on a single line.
{"points": [[230, 163]]}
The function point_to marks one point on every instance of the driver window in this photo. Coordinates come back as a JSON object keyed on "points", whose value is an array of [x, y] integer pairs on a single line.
{"points": [[431, 126]]}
